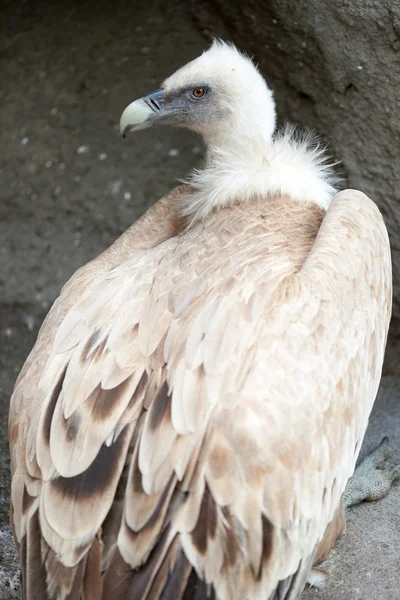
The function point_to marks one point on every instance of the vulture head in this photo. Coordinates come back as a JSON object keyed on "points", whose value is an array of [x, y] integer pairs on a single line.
{"points": [[222, 96], [207, 95]]}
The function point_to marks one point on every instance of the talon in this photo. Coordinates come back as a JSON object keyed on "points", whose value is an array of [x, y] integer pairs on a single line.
{"points": [[376, 458], [395, 473], [386, 453], [380, 446]]}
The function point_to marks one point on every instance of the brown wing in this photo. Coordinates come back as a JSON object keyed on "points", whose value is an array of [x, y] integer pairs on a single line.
{"points": [[234, 378], [284, 357], [32, 402]]}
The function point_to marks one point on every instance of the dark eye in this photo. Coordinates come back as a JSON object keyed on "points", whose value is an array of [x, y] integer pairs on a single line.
{"points": [[199, 92]]}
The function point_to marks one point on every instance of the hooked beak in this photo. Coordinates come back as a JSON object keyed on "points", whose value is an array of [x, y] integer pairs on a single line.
{"points": [[143, 113]]}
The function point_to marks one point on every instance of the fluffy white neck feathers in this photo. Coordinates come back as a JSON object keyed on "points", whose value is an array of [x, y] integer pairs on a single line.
{"points": [[290, 164]]}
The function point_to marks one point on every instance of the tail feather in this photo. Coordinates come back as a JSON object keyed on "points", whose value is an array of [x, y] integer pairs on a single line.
{"points": [[117, 578], [197, 589], [45, 578], [166, 575], [172, 575], [32, 567], [92, 583], [61, 583], [146, 580], [177, 580]]}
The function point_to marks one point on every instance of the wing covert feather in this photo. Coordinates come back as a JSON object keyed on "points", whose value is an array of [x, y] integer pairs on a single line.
{"points": [[237, 370]]}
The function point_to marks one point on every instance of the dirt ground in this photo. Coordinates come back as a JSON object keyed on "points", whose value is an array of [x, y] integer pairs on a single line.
{"points": [[71, 185]]}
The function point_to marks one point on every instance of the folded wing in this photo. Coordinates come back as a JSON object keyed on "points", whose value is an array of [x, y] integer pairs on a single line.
{"points": [[201, 409]]}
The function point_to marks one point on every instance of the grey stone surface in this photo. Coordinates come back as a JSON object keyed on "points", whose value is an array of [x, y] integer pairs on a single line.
{"points": [[70, 185], [334, 66]]}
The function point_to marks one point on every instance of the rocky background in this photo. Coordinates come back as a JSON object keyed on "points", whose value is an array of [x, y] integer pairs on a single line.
{"points": [[334, 66], [70, 185]]}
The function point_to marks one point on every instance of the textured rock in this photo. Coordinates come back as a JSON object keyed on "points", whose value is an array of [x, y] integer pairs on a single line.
{"points": [[70, 185], [334, 66]]}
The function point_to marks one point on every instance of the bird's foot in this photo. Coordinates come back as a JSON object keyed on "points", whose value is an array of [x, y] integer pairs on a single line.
{"points": [[370, 481]]}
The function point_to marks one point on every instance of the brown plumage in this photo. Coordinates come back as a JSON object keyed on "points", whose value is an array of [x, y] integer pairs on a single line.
{"points": [[196, 400]]}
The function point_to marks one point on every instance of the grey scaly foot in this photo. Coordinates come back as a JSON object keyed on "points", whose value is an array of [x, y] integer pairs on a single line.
{"points": [[370, 481]]}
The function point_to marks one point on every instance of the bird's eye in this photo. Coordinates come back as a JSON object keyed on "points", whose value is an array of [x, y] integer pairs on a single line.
{"points": [[199, 92]]}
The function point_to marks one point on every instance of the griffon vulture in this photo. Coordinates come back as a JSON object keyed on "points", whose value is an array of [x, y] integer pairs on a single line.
{"points": [[186, 424]]}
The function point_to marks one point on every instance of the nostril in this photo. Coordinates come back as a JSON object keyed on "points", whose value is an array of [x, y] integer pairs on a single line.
{"points": [[155, 100], [154, 103]]}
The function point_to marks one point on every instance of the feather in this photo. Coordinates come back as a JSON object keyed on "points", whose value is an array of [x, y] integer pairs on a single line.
{"points": [[196, 400]]}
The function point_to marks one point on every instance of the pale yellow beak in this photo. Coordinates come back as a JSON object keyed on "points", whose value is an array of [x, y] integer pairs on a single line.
{"points": [[143, 113], [137, 115]]}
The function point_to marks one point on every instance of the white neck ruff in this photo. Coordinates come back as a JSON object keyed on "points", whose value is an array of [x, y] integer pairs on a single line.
{"points": [[290, 164]]}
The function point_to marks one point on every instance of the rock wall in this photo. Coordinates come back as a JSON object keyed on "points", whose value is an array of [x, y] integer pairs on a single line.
{"points": [[335, 66]]}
